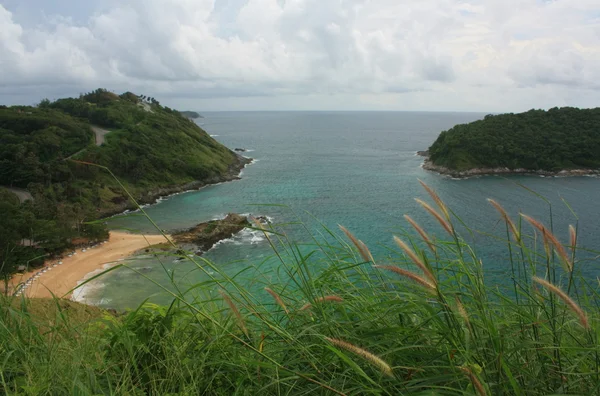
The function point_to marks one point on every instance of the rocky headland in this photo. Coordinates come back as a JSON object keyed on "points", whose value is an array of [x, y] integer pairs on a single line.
{"points": [[442, 170]]}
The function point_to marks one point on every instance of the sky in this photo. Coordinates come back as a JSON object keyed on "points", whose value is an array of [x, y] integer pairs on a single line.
{"points": [[206, 55]]}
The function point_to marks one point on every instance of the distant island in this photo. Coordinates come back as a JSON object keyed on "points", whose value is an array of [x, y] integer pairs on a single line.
{"points": [[561, 141], [190, 114], [51, 195]]}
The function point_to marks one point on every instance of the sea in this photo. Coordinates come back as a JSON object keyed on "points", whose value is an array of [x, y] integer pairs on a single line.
{"points": [[313, 171]]}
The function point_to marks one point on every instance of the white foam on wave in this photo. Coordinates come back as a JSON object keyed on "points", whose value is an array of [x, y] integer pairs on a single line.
{"points": [[220, 216], [245, 237], [270, 219], [248, 236], [214, 135], [81, 294]]}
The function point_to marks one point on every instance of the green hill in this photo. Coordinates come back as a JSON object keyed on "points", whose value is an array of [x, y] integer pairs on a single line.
{"points": [[557, 139], [152, 149]]}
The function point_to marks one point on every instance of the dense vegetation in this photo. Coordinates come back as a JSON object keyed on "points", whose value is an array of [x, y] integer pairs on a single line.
{"points": [[44, 149], [329, 322], [560, 138]]}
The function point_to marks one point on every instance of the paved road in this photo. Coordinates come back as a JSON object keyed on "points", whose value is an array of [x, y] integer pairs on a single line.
{"points": [[23, 195], [100, 133]]}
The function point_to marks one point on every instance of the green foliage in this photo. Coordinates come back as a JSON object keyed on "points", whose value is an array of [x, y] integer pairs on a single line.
{"points": [[149, 147], [382, 334], [560, 138]]}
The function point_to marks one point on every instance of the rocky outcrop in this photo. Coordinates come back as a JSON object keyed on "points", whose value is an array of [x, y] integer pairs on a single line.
{"points": [[430, 166], [205, 235]]}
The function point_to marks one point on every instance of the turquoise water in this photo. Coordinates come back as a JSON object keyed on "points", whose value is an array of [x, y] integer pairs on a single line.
{"points": [[358, 169]]}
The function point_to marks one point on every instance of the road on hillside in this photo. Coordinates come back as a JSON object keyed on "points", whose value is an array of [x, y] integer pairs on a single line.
{"points": [[23, 195], [100, 133]]}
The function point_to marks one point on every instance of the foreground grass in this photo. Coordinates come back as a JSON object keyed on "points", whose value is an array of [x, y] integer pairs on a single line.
{"points": [[342, 323]]}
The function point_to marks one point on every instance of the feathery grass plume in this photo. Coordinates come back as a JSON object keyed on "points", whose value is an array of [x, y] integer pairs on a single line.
{"points": [[474, 380], [447, 226], [421, 232], [322, 299], [549, 237], [410, 275], [364, 251], [262, 228], [416, 259], [277, 299], [462, 311], [437, 199], [236, 312], [507, 219], [375, 360], [566, 299], [572, 236]]}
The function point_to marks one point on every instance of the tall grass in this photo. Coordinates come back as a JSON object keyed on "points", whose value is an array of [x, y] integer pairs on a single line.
{"points": [[424, 323]]}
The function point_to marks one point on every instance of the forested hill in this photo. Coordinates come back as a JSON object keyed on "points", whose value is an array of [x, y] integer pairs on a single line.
{"points": [[557, 139], [152, 149]]}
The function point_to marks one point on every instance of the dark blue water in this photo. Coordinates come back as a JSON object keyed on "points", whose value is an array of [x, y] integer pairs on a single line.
{"points": [[358, 169]]}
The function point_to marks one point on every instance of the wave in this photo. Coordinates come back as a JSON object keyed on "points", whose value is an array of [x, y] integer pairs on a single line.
{"points": [[82, 294], [245, 237], [270, 219], [214, 135]]}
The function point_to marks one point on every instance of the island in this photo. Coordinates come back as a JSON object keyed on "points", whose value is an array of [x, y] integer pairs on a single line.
{"points": [[557, 142], [69, 163]]}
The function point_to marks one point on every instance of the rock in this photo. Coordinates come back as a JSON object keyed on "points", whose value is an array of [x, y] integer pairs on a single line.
{"points": [[423, 153], [263, 219], [243, 150], [205, 235]]}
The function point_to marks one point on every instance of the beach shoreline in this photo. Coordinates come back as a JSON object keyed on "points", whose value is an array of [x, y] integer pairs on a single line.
{"points": [[60, 279], [152, 197]]}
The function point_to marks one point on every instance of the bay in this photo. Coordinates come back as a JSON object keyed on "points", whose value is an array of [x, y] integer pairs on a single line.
{"points": [[358, 169]]}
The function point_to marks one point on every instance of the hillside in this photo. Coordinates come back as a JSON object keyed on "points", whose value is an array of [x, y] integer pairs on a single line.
{"points": [[554, 140], [152, 149]]}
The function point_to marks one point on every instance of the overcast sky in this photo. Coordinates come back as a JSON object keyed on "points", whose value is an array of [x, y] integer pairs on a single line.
{"points": [[430, 55]]}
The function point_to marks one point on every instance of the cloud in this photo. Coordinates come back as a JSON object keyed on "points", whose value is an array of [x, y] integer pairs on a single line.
{"points": [[406, 52]]}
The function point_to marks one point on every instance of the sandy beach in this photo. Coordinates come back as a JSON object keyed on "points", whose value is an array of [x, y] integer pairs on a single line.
{"points": [[60, 279]]}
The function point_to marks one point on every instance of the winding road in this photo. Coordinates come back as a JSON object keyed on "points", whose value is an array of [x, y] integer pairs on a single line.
{"points": [[23, 195], [100, 133]]}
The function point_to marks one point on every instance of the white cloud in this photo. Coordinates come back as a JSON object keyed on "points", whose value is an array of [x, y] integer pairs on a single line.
{"points": [[389, 54]]}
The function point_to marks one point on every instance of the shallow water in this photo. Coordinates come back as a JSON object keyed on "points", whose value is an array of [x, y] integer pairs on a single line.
{"points": [[358, 169]]}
